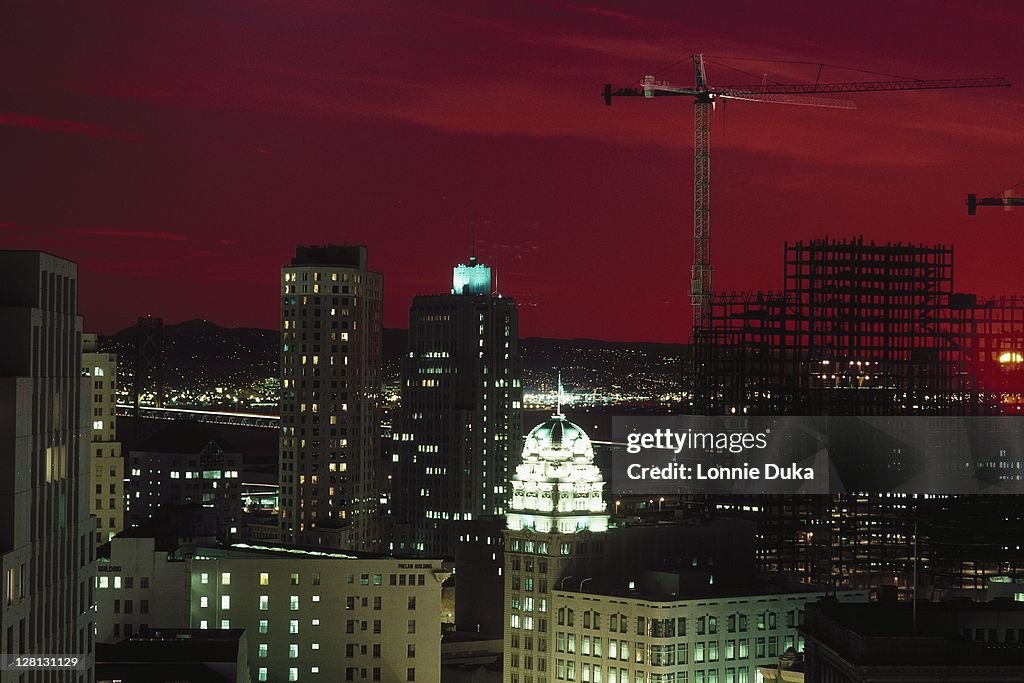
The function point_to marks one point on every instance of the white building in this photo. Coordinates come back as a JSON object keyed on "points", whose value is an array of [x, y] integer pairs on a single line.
{"points": [[309, 615], [554, 521], [106, 465], [637, 638]]}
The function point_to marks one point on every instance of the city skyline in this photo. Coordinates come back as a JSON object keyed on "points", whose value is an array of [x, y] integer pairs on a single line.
{"points": [[325, 317], [416, 130]]}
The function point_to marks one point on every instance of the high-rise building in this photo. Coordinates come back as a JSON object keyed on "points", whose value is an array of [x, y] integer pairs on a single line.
{"points": [[106, 465], [461, 416], [331, 317], [47, 542], [556, 514]]}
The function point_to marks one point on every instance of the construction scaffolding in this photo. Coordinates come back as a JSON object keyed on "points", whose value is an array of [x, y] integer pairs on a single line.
{"points": [[866, 329], [861, 329]]}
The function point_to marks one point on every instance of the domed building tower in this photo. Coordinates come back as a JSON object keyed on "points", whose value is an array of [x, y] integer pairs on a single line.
{"points": [[554, 536], [557, 487]]}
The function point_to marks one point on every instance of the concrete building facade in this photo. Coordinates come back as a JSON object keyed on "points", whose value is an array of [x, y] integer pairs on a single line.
{"points": [[656, 638], [331, 345], [309, 614], [47, 541], [106, 463]]}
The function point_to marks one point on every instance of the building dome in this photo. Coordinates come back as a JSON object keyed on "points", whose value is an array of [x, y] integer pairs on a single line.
{"points": [[557, 440], [557, 487]]}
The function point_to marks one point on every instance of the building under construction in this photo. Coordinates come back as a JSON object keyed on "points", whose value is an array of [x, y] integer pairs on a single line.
{"points": [[862, 329], [866, 329]]}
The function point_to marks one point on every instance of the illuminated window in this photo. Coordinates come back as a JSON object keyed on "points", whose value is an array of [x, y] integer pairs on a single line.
{"points": [[264, 579]]}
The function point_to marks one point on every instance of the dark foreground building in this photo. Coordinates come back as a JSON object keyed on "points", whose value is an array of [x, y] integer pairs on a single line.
{"points": [[461, 420], [47, 538], [186, 463], [161, 655], [955, 642]]}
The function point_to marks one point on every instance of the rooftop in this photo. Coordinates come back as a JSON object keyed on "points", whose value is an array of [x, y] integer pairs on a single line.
{"points": [[956, 633]]}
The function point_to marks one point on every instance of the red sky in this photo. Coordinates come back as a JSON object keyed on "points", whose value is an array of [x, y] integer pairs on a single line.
{"points": [[178, 151]]}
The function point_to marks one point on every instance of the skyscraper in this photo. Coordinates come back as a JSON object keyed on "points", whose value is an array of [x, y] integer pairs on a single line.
{"points": [[461, 417], [331, 313], [555, 524], [106, 465], [46, 535]]}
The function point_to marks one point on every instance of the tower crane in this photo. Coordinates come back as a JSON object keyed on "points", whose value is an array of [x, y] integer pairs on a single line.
{"points": [[704, 97], [1007, 201]]}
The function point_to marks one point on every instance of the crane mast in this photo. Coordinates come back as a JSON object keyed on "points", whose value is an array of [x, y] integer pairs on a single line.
{"points": [[700, 272]]}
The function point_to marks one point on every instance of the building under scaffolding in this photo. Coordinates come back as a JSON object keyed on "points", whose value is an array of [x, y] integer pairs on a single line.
{"points": [[866, 329], [862, 329]]}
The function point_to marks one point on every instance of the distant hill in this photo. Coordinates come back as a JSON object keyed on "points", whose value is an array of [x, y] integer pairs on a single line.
{"points": [[208, 354], [212, 355]]}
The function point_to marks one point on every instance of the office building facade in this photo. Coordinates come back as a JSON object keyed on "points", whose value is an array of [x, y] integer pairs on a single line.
{"points": [[106, 464], [460, 424], [309, 615], [635, 636], [331, 313]]}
